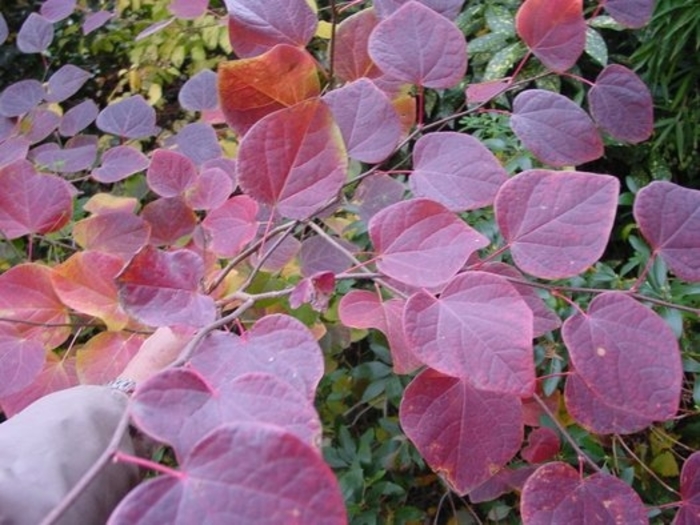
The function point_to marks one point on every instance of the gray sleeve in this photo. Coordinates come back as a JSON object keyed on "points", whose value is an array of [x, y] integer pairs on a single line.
{"points": [[46, 448]]}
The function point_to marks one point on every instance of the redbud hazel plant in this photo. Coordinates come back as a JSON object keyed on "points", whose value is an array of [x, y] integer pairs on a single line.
{"points": [[341, 182]]}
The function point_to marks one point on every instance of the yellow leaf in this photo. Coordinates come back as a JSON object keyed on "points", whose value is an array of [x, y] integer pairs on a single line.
{"points": [[313, 5], [324, 30], [665, 465], [155, 93]]}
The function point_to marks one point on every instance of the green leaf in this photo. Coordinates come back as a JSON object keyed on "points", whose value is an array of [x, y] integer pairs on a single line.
{"points": [[500, 19], [596, 47], [503, 61], [488, 43]]}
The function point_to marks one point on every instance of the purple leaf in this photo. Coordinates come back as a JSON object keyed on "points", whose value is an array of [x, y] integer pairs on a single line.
{"points": [[31, 202], [13, 149], [210, 190], [7, 127], [68, 160], [65, 82], [199, 142], [463, 433], [154, 28], [277, 344], [556, 223], [557, 493], [554, 30], [199, 92], [545, 320], [95, 20], [278, 257], [368, 122], [293, 159], [241, 473], [669, 218], [447, 8], [162, 288], [485, 91], [228, 166], [455, 170], [20, 98], [417, 45], [375, 193], [170, 173], [130, 118], [479, 329], [351, 53], [188, 9], [4, 32], [170, 220], [230, 227], [78, 118], [39, 124], [627, 366], [422, 243], [319, 255], [180, 407], [504, 481], [119, 163], [21, 360], [630, 13], [117, 232], [621, 104], [57, 10], [690, 492], [35, 35], [555, 129], [256, 27]]}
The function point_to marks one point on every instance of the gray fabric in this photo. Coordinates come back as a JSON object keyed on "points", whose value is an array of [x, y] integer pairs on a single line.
{"points": [[46, 448]]}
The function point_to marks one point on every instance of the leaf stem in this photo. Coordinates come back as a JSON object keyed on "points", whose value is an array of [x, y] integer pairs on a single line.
{"points": [[148, 464], [645, 467]]}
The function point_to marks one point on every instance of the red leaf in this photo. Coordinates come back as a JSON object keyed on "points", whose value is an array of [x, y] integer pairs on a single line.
{"points": [[130, 118], [417, 45], [21, 360], [403, 358], [120, 233], [485, 91], [465, 435], [180, 407], [255, 27], [237, 473], [210, 191], [554, 30], [362, 309], [170, 173], [351, 53], [277, 344], [170, 220], [555, 129], [293, 159], [556, 223], [314, 290], [542, 445], [251, 88], [35, 35], [162, 288], [544, 320], [479, 329], [621, 104], [106, 355], [669, 218], [456, 170], [421, 243], [29, 305], [627, 366], [20, 98], [630, 13], [447, 8], [199, 92], [556, 493], [690, 491], [232, 226], [119, 163], [85, 282], [504, 481], [367, 120]]}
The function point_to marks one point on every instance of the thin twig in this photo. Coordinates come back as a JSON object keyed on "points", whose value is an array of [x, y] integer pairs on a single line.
{"points": [[643, 465]]}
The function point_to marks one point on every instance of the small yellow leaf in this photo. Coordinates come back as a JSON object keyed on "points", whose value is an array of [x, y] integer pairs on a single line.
{"points": [[324, 30], [665, 464], [313, 5], [155, 93]]}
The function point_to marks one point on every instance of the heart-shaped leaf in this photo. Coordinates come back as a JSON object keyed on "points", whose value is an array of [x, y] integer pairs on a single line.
{"points": [[119, 163], [170, 220], [210, 191], [556, 223], [170, 173], [542, 445], [65, 82], [627, 363], [351, 51], [199, 92], [251, 88], [21, 360], [669, 218], [57, 10], [199, 142], [630, 13], [106, 355], [78, 118], [35, 35], [690, 491], [479, 329], [554, 30], [555, 129], [556, 493], [230, 227], [67, 160], [120, 233], [188, 9], [21, 97], [39, 124], [447, 8], [455, 170], [237, 473], [466, 435], [255, 27], [130, 118], [621, 104], [162, 288], [95, 20], [293, 160], [417, 45]]}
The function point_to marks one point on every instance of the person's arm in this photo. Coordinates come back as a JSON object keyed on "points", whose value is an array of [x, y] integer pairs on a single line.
{"points": [[46, 448]]}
